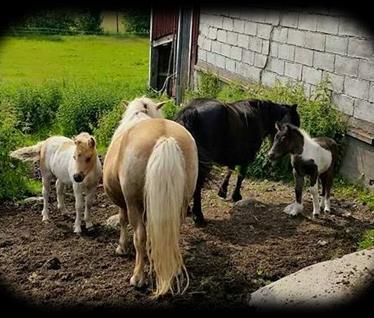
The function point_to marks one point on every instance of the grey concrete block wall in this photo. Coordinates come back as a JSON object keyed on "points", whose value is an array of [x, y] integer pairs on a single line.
{"points": [[266, 45]]}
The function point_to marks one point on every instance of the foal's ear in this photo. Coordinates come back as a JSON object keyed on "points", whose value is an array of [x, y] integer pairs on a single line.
{"points": [[294, 107], [160, 104], [92, 142]]}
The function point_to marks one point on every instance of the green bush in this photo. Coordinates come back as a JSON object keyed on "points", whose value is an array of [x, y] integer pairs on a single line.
{"points": [[107, 125], [83, 105], [209, 86], [13, 181], [35, 105], [319, 117], [137, 20], [64, 20]]}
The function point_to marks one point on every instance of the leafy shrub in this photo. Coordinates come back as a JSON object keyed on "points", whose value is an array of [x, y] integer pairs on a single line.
{"points": [[35, 105], [12, 173], [107, 125], [83, 105], [65, 20], [209, 86], [137, 20]]}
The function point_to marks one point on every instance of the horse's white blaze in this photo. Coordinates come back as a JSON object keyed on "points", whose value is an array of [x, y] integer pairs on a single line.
{"points": [[312, 150]]}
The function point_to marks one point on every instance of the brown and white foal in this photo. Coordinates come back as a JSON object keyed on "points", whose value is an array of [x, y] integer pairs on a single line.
{"points": [[313, 157]]}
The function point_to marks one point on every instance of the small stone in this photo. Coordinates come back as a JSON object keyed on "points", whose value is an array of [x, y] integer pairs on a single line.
{"points": [[53, 263], [322, 242], [33, 200]]}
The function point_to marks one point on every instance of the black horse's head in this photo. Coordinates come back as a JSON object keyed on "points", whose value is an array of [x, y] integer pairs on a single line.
{"points": [[291, 115], [283, 114]]}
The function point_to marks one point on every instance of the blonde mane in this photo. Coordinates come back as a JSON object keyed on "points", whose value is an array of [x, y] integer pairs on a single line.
{"points": [[137, 110]]}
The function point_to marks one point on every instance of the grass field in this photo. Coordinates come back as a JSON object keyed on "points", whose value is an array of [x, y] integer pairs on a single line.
{"points": [[78, 58]]}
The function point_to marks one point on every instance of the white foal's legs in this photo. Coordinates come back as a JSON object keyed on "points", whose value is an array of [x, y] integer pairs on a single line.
{"points": [[122, 247], [60, 189], [79, 205], [90, 196], [46, 190], [314, 192]]}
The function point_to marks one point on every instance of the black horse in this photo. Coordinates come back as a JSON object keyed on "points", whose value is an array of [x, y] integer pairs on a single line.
{"points": [[230, 134]]}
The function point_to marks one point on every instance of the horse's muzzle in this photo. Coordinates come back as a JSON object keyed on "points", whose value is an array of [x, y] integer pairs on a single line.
{"points": [[271, 155], [78, 177]]}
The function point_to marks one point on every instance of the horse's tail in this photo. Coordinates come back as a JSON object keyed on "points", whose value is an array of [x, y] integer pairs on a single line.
{"points": [[31, 153], [165, 186]]}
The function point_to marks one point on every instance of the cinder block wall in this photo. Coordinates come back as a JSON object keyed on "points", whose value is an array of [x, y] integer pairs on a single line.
{"points": [[263, 45]]}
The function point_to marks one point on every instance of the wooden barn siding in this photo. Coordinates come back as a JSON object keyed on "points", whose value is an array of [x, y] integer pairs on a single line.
{"points": [[164, 22]]}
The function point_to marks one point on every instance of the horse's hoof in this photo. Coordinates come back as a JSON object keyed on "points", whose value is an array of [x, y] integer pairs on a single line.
{"points": [[120, 251], [236, 198], [222, 194], [77, 230], [137, 282], [89, 225], [326, 210], [113, 220], [45, 219], [200, 223], [315, 215]]}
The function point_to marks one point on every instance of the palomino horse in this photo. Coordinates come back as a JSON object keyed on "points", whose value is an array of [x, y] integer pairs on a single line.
{"points": [[72, 162], [150, 172], [230, 134], [314, 157]]}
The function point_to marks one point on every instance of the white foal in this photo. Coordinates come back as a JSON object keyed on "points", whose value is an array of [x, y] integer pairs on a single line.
{"points": [[72, 162]]}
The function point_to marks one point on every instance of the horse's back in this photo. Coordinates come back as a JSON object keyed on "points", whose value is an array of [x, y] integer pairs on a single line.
{"points": [[225, 133], [127, 157], [55, 153]]}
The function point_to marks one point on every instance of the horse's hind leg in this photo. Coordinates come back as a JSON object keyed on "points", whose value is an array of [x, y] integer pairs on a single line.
{"points": [[140, 238], [322, 201], [46, 191], [329, 181], [122, 248], [236, 196], [223, 188], [60, 188], [197, 214]]}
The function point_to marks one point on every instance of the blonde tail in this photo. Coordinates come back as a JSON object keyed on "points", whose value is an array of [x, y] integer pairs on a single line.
{"points": [[31, 153], [164, 204]]}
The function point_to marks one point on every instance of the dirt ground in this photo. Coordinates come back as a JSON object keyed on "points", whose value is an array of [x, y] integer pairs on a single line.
{"points": [[244, 246]]}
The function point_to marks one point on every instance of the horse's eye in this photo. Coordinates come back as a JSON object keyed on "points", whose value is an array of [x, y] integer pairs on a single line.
{"points": [[88, 159]]}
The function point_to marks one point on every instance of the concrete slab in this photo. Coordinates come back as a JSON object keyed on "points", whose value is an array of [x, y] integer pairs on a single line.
{"points": [[330, 283]]}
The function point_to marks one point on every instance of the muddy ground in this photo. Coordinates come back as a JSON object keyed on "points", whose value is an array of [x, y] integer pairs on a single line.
{"points": [[244, 246]]}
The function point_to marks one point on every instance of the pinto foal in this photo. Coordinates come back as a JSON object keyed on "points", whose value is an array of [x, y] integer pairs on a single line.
{"points": [[72, 162], [313, 157]]}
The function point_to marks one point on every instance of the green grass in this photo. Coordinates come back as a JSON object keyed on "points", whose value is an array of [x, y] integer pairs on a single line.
{"points": [[74, 58], [344, 189], [367, 240], [53, 85]]}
